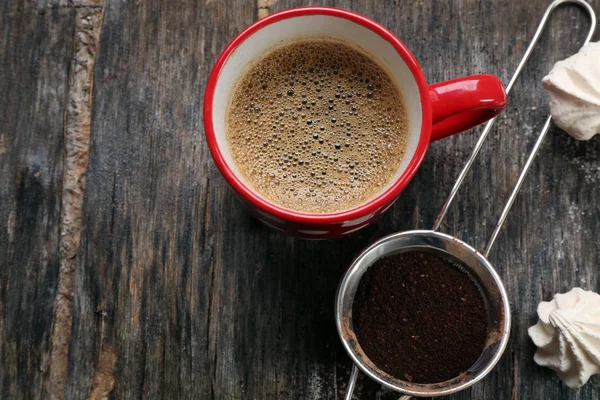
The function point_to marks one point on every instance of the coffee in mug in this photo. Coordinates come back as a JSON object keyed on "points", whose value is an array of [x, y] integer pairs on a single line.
{"points": [[317, 126]]}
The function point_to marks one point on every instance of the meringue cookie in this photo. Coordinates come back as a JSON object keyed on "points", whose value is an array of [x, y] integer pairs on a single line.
{"points": [[574, 87], [568, 336]]}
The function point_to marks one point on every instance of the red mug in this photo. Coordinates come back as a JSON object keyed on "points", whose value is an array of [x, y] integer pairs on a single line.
{"points": [[434, 111]]}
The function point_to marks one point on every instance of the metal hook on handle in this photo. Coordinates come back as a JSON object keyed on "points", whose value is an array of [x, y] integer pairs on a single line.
{"points": [[479, 144], [488, 126]]}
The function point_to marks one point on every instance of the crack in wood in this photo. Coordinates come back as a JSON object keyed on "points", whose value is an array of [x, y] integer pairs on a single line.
{"points": [[209, 315], [78, 116], [103, 378]]}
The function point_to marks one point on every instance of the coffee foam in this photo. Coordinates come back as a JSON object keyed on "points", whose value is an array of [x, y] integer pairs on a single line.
{"points": [[317, 126]]}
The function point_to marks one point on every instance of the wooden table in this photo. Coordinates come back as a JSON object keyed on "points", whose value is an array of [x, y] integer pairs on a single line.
{"points": [[129, 270]]}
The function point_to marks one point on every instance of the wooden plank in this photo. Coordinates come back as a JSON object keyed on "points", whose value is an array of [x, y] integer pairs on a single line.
{"points": [[35, 50], [148, 294], [181, 294]]}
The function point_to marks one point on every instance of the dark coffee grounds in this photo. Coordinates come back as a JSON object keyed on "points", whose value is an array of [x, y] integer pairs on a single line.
{"points": [[419, 318]]}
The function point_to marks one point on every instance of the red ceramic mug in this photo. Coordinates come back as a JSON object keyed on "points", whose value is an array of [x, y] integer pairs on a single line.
{"points": [[434, 112]]}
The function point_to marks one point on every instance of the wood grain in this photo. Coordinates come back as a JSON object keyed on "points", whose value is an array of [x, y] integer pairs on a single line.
{"points": [[35, 50], [199, 300], [179, 293], [148, 275]]}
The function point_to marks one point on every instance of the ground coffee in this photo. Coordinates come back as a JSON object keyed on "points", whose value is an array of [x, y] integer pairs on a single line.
{"points": [[419, 318]]}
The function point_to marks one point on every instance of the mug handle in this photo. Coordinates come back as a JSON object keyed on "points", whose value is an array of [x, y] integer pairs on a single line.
{"points": [[463, 103]]}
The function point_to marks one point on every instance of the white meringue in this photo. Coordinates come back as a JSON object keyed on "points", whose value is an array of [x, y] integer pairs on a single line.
{"points": [[568, 336], [574, 87]]}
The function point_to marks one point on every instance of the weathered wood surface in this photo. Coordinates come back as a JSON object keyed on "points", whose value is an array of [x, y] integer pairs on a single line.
{"points": [[36, 46], [179, 293]]}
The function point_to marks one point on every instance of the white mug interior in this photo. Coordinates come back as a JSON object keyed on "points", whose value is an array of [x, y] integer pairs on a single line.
{"points": [[296, 28]]}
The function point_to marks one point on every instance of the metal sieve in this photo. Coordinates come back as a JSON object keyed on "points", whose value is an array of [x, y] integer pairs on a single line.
{"points": [[474, 262], [475, 265]]}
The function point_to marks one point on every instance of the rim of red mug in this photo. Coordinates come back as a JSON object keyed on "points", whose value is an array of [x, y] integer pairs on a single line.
{"points": [[383, 199]]}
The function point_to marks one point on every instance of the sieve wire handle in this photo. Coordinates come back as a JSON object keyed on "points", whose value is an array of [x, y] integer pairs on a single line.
{"points": [[488, 127], [352, 384], [479, 144]]}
